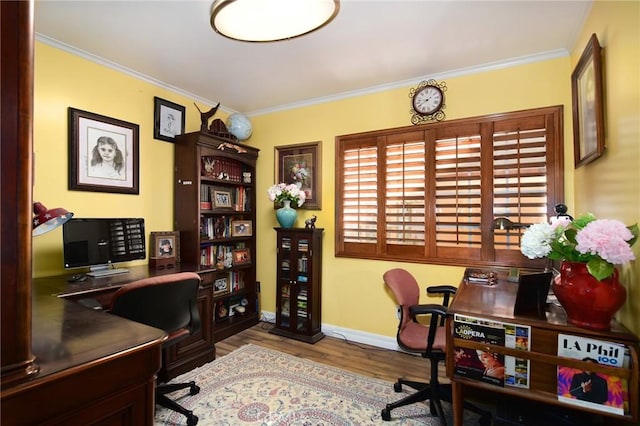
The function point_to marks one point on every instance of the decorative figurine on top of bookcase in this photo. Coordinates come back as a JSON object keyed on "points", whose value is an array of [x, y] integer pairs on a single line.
{"points": [[311, 222], [205, 116]]}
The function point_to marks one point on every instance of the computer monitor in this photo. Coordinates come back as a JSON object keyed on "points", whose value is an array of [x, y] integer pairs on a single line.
{"points": [[97, 243]]}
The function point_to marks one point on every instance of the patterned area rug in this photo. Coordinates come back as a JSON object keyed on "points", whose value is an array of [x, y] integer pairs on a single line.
{"points": [[257, 386]]}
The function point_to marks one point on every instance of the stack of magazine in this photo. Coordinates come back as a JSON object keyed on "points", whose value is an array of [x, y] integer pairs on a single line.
{"points": [[590, 389], [492, 367]]}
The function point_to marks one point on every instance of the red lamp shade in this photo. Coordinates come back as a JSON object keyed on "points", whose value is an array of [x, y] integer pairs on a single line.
{"points": [[48, 220]]}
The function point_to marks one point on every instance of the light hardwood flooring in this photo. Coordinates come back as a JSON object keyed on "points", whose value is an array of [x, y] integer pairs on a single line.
{"points": [[362, 359]]}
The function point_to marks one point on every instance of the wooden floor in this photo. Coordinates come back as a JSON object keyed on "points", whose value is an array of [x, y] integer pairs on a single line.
{"points": [[366, 360], [371, 362]]}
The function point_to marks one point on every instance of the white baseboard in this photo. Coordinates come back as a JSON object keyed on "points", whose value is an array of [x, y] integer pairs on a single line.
{"points": [[358, 336]]}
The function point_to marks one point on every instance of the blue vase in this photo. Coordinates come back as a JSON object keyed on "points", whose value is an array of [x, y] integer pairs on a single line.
{"points": [[286, 215]]}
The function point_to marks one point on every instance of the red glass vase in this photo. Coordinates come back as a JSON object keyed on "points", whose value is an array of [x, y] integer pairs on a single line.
{"points": [[589, 302]]}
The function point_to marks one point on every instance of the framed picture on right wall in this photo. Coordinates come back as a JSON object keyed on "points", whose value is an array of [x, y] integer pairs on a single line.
{"points": [[587, 103]]}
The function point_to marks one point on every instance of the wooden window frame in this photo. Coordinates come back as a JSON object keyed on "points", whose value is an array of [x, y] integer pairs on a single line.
{"points": [[532, 148]]}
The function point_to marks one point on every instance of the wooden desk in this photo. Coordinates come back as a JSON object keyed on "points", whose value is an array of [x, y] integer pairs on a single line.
{"points": [[496, 303], [94, 368], [192, 352]]}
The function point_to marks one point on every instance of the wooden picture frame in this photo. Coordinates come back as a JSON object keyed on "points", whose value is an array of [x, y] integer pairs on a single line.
{"points": [[168, 119], [103, 153], [221, 199], [587, 100], [241, 256], [164, 244], [222, 310], [301, 164], [220, 286], [241, 228]]}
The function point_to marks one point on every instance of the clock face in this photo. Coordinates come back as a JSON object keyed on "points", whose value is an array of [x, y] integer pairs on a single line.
{"points": [[428, 100]]}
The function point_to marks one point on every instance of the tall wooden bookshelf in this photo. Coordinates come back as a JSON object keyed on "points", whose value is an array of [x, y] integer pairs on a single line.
{"points": [[215, 214]]}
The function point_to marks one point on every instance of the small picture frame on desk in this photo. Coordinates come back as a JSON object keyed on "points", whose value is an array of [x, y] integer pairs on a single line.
{"points": [[165, 244]]}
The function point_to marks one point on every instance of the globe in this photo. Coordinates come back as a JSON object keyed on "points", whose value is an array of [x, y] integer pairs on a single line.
{"points": [[239, 126]]}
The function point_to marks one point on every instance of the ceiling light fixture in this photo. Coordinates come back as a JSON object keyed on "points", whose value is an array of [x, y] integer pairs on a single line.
{"points": [[271, 20]]}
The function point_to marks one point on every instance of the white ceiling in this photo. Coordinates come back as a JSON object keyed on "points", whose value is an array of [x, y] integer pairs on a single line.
{"points": [[370, 45]]}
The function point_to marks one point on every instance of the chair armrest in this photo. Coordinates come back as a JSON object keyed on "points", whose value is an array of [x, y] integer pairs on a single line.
{"points": [[439, 289], [432, 308], [446, 290]]}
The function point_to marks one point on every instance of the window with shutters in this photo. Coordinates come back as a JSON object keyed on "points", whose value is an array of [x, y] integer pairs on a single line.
{"points": [[430, 193]]}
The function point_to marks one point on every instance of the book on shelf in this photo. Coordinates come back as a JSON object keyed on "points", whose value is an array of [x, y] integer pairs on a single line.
{"points": [[590, 389], [492, 367]]}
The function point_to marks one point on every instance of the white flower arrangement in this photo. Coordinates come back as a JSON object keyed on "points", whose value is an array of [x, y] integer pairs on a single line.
{"points": [[281, 192]]}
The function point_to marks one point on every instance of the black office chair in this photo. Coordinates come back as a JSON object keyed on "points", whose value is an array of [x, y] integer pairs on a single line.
{"points": [[167, 302], [429, 341]]}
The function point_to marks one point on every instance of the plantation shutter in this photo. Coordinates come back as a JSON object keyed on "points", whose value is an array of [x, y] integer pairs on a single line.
{"points": [[360, 192], [520, 190], [458, 192], [404, 198], [430, 193]]}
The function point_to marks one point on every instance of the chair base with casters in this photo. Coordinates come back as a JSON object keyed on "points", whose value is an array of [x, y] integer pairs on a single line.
{"points": [[424, 393], [429, 341], [164, 401]]}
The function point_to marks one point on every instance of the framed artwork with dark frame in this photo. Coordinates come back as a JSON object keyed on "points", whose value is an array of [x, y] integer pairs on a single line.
{"points": [[301, 164], [587, 102], [103, 153], [168, 119], [165, 244]]}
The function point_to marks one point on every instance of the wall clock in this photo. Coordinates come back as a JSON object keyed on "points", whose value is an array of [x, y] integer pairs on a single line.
{"points": [[427, 101]]}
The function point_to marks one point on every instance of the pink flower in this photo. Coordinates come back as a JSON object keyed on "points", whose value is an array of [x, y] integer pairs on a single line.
{"points": [[606, 238]]}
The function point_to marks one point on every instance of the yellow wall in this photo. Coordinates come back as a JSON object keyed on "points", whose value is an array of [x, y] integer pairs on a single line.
{"points": [[63, 80], [353, 291], [610, 186]]}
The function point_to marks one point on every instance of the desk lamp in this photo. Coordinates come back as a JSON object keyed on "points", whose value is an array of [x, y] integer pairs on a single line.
{"points": [[505, 224], [47, 220]]}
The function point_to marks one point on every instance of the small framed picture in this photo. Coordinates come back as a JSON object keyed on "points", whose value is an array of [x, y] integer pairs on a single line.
{"points": [[220, 227], [588, 105], [221, 199], [241, 256], [301, 164], [165, 244], [222, 310], [220, 286], [168, 119], [241, 228], [103, 153]]}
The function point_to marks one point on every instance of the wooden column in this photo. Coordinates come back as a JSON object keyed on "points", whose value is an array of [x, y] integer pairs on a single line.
{"points": [[16, 158]]}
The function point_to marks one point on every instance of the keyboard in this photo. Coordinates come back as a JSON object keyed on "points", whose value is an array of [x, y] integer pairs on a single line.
{"points": [[107, 272]]}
